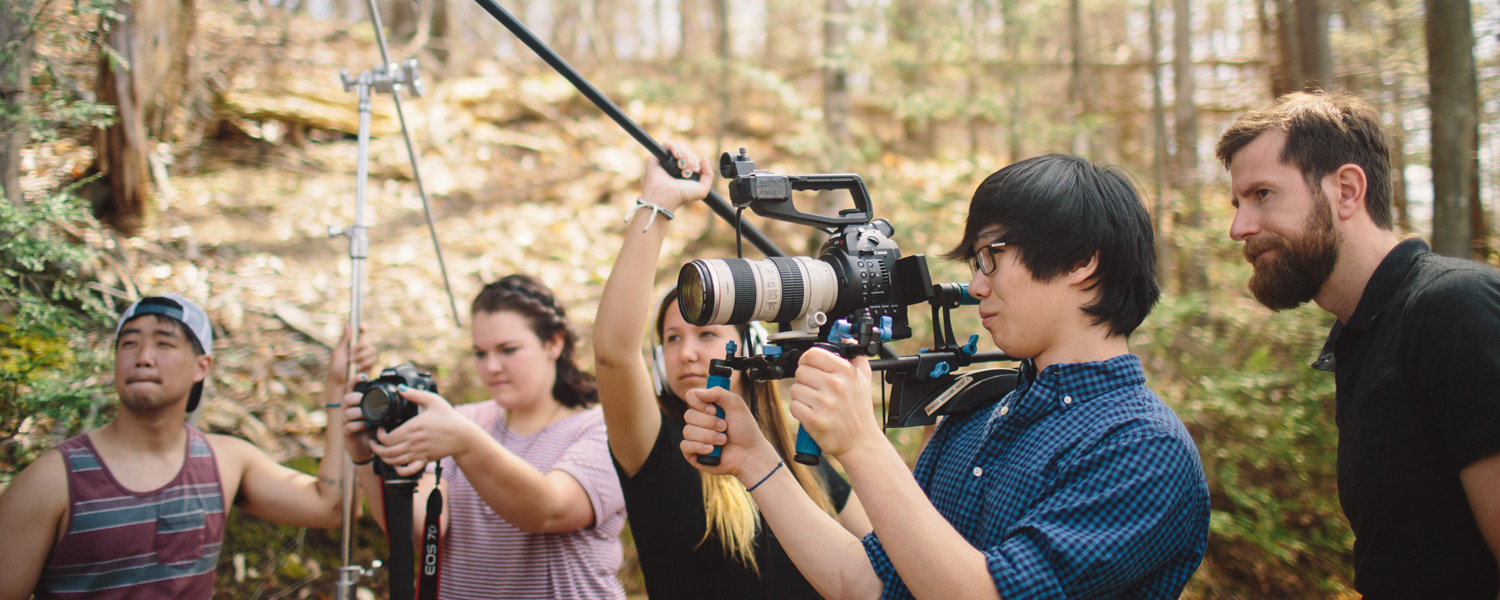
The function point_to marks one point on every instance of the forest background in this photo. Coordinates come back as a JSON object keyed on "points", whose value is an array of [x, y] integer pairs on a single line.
{"points": [[204, 147]]}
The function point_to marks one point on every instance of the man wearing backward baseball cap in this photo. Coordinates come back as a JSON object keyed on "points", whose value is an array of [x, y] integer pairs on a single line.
{"points": [[137, 508]]}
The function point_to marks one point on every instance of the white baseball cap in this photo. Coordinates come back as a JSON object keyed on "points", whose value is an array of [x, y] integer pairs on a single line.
{"points": [[184, 311]]}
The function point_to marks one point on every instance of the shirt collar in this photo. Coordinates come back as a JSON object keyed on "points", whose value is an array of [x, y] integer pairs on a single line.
{"points": [[1065, 386], [1379, 293], [1385, 281]]}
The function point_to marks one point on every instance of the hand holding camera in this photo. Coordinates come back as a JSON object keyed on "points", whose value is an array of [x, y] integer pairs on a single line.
{"points": [[437, 432], [831, 399], [409, 423], [745, 451]]}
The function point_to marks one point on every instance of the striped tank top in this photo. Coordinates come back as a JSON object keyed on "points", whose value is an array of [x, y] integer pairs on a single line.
{"points": [[162, 543]]}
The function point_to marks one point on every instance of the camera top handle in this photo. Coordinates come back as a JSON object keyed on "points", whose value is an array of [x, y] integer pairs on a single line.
{"points": [[770, 194]]}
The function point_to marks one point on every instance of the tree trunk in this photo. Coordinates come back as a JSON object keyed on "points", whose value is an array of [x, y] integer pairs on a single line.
{"points": [[1012, 30], [1160, 209], [171, 114], [1315, 51], [1290, 62], [909, 31], [835, 86], [1192, 273], [1455, 119], [122, 198], [1397, 88], [1078, 94], [726, 82], [691, 13], [16, 46]]}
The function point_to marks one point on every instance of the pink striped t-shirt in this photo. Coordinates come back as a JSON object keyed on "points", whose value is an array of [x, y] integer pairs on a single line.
{"points": [[484, 556]]}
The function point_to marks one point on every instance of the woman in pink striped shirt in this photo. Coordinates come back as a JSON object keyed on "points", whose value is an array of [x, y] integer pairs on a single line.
{"points": [[532, 507]]}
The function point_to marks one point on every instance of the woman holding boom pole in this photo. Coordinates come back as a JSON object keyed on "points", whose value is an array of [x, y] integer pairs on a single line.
{"points": [[693, 531]]}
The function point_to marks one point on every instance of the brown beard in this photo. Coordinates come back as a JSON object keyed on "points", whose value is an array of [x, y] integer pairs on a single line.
{"points": [[1301, 264]]}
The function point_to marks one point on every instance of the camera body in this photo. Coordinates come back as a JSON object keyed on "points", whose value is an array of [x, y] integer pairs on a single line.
{"points": [[381, 403], [859, 276]]}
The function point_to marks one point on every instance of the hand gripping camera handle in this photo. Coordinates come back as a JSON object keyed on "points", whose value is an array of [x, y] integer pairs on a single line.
{"points": [[718, 377], [808, 452]]}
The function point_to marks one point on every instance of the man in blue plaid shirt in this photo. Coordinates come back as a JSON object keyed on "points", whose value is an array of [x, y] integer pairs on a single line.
{"points": [[1078, 484]]}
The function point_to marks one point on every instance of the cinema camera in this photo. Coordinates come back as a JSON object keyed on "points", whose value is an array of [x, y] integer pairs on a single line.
{"points": [[857, 289]]}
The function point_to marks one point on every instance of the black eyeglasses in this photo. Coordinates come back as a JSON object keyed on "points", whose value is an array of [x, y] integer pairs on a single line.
{"points": [[983, 261]]}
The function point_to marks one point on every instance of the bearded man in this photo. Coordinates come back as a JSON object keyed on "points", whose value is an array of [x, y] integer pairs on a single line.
{"points": [[1415, 351]]}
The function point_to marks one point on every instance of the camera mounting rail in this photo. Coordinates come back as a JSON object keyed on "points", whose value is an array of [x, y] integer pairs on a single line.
{"points": [[925, 385]]}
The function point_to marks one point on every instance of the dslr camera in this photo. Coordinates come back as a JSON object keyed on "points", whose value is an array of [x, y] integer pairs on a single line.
{"points": [[381, 403]]}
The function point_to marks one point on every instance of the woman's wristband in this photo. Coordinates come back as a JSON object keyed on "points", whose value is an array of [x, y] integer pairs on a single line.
{"points": [[779, 465], [365, 462]]}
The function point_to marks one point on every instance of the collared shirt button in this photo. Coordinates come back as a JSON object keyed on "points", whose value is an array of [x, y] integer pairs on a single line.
{"points": [[978, 472], [1067, 399]]}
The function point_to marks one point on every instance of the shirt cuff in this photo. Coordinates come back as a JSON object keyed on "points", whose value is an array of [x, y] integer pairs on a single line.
{"points": [[1021, 570], [894, 587]]}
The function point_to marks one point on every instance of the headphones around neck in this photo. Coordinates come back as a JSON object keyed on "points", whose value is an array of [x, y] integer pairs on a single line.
{"points": [[751, 339]]}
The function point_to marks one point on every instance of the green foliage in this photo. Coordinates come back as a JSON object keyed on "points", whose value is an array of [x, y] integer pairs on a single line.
{"points": [[1238, 376], [49, 366], [53, 376], [56, 103]]}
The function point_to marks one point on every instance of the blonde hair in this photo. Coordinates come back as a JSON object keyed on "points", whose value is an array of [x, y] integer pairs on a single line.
{"points": [[728, 508], [729, 511]]}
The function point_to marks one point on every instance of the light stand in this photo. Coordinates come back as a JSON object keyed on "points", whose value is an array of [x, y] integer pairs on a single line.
{"points": [[385, 78]]}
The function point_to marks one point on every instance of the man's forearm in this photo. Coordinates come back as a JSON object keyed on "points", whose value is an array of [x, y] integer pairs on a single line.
{"points": [[931, 557], [331, 467]]}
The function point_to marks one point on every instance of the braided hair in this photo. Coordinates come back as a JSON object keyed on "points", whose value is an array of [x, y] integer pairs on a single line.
{"points": [[529, 297]]}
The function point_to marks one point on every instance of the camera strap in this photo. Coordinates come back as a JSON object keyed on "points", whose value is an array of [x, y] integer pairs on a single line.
{"points": [[427, 579]]}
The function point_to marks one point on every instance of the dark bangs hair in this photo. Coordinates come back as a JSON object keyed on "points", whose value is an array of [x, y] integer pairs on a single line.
{"points": [[529, 297], [1058, 212]]}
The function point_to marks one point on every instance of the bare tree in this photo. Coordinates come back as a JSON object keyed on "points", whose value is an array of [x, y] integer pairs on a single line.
{"points": [[1289, 74], [1160, 208], [909, 30], [1077, 94], [1013, 32], [1315, 50], [835, 85], [1192, 273], [1454, 101], [16, 47], [1396, 87], [691, 13], [121, 196]]}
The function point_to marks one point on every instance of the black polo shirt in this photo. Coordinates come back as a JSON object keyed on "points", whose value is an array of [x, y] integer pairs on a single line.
{"points": [[1418, 374]]}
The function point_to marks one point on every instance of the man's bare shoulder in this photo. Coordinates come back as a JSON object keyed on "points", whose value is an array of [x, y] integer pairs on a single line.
{"points": [[39, 491]]}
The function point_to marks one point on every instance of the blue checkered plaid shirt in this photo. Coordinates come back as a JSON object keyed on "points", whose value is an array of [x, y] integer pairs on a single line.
{"points": [[1078, 484]]}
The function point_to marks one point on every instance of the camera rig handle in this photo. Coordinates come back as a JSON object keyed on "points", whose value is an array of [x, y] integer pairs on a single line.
{"points": [[719, 372], [770, 194]]}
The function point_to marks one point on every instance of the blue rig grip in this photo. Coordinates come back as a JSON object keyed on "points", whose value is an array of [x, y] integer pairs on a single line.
{"points": [[718, 377], [808, 452]]}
